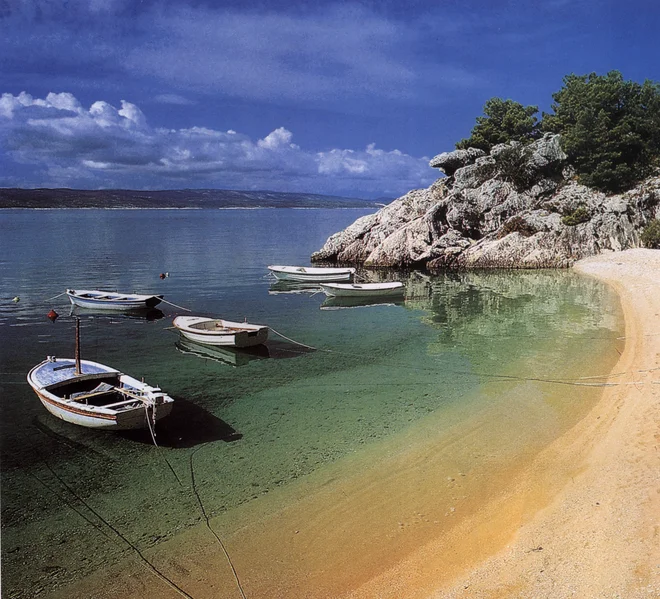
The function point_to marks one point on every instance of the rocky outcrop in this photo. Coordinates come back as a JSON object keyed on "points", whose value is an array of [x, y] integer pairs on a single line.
{"points": [[517, 207]]}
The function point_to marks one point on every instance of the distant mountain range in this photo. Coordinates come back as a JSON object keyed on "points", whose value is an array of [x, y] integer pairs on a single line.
{"points": [[177, 198]]}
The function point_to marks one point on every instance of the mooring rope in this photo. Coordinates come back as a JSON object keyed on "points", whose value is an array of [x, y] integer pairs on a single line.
{"points": [[294, 341], [160, 451], [56, 296], [208, 525], [171, 304]]}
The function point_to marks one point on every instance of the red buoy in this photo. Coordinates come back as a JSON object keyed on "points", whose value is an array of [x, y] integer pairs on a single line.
{"points": [[52, 315]]}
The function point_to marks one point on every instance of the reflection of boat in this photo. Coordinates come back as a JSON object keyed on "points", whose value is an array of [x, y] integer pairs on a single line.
{"points": [[293, 287], [226, 355], [311, 273], [138, 313], [96, 396], [363, 289], [111, 300], [216, 331], [336, 303]]}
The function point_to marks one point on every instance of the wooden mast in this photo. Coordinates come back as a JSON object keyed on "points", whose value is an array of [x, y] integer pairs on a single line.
{"points": [[78, 368]]}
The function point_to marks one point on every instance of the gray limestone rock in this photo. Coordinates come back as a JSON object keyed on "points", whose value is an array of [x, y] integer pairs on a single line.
{"points": [[477, 219]]}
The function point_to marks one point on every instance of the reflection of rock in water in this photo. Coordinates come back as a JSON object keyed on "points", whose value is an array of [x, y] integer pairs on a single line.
{"points": [[517, 303]]}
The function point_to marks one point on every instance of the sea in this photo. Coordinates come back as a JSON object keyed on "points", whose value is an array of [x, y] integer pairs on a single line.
{"points": [[462, 382]]}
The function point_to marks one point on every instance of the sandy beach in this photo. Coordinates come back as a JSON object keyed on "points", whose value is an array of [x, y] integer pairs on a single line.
{"points": [[580, 520]]}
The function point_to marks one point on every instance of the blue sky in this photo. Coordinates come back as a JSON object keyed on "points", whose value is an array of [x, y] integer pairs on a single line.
{"points": [[345, 98]]}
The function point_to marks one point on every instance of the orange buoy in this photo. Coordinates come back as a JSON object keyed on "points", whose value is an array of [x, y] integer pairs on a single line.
{"points": [[52, 315]]}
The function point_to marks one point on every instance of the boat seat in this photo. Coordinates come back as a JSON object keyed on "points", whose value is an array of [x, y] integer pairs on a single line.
{"points": [[100, 389]]}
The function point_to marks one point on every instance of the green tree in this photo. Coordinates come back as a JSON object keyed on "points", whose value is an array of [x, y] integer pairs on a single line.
{"points": [[610, 128], [503, 121]]}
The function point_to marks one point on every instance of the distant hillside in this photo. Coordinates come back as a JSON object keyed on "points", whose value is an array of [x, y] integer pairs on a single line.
{"points": [[178, 198]]}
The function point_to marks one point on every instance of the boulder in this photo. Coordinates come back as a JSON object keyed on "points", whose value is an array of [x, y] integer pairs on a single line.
{"points": [[450, 162]]}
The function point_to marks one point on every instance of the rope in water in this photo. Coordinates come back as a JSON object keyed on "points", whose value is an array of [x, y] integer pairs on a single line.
{"points": [[175, 305], [55, 296], [118, 534], [504, 377], [293, 340], [208, 525]]}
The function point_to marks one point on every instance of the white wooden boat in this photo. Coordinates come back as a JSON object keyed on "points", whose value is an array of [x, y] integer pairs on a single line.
{"points": [[93, 395], [216, 331], [311, 274], [363, 289], [111, 300]]}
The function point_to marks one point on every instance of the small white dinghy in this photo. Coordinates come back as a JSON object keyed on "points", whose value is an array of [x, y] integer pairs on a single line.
{"points": [[363, 289], [216, 331], [111, 300], [97, 396], [311, 274]]}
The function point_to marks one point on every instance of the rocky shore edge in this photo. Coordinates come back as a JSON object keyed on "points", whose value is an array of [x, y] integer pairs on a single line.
{"points": [[520, 206]]}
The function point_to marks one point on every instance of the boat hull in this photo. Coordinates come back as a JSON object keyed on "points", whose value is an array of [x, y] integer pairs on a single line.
{"points": [[131, 301], [364, 290], [303, 274], [220, 332], [131, 420], [130, 404]]}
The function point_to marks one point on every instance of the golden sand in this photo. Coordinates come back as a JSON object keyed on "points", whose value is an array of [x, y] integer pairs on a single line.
{"points": [[579, 520]]}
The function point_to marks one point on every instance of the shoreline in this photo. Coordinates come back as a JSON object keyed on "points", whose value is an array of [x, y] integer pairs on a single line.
{"points": [[577, 522], [599, 536]]}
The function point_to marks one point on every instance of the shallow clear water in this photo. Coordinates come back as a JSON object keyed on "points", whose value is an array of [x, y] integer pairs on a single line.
{"points": [[483, 362]]}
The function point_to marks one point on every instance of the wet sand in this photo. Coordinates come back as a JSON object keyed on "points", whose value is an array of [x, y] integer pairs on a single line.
{"points": [[580, 519]]}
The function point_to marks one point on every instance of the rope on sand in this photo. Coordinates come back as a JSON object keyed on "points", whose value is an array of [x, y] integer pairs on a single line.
{"points": [[208, 525]]}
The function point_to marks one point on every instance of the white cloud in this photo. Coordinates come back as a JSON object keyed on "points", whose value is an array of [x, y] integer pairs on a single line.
{"points": [[118, 148]]}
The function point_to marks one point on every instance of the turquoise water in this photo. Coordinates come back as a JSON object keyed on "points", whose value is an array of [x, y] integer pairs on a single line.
{"points": [[494, 347]]}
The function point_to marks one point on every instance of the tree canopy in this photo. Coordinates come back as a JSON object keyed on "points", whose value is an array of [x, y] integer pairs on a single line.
{"points": [[503, 121], [610, 128]]}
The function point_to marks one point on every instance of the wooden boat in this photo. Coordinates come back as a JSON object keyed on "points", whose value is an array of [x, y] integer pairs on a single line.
{"points": [[216, 331], [363, 289], [111, 300], [93, 395], [311, 274]]}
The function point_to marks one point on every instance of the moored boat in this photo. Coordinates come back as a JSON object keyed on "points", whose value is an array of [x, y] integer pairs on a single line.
{"points": [[391, 289], [111, 300], [94, 395], [311, 274], [217, 331]]}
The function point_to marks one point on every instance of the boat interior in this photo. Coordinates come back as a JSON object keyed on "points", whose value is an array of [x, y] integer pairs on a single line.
{"points": [[103, 392]]}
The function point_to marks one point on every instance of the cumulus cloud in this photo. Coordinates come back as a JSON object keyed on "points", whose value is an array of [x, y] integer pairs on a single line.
{"points": [[109, 146]]}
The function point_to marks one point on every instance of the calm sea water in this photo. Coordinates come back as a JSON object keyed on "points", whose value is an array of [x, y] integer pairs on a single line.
{"points": [[500, 349]]}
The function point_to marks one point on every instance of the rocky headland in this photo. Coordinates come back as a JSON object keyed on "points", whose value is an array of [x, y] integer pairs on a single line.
{"points": [[516, 207]]}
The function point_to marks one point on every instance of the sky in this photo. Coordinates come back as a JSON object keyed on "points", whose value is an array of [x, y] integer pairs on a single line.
{"points": [[339, 98]]}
